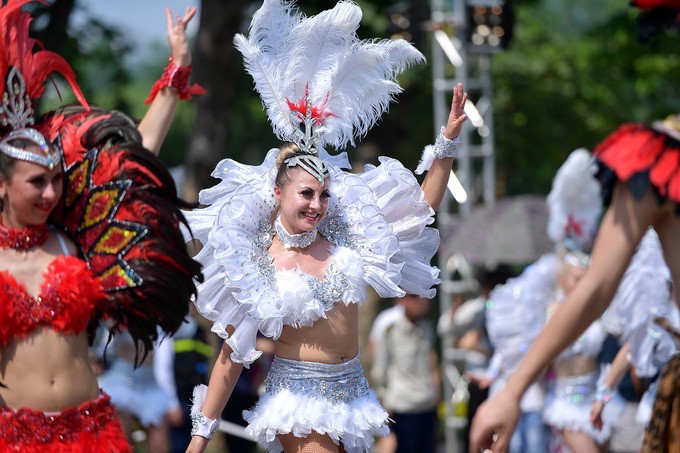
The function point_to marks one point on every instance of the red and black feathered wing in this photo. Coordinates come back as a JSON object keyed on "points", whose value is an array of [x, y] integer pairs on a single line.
{"points": [[120, 205]]}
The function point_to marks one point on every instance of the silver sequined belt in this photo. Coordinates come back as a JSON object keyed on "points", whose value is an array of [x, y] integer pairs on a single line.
{"points": [[339, 383], [576, 388]]}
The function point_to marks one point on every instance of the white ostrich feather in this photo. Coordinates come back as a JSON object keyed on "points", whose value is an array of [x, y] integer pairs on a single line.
{"points": [[574, 197], [351, 81], [198, 398]]}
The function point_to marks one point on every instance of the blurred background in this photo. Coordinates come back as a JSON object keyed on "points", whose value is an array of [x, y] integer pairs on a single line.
{"points": [[544, 77]]}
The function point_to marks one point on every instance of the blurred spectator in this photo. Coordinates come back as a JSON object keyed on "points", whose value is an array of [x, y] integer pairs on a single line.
{"points": [[179, 369], [463, 325], [136, 393], [406, 375], [385, 319], [245, 395]]}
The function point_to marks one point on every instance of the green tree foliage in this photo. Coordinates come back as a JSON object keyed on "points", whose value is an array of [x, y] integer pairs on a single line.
{"points": [[573, 73]]}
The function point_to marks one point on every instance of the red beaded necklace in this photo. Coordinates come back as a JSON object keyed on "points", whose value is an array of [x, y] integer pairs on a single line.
{"points": [[24, 238]]}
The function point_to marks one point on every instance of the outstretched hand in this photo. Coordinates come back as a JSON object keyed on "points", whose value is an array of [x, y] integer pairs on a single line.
{"points": [[457, 115], [494, 423], [179, 46]]}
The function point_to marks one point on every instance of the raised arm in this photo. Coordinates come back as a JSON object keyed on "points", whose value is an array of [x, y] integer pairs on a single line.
{"points": [[156, 122], [223, 378], [434, 184]]}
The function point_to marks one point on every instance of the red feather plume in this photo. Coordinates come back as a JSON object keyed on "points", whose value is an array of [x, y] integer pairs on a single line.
{"points": [[19, 51]]}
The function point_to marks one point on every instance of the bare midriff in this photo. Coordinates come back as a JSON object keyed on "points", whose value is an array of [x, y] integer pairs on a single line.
{"points": [[334, 339], [47, 371], [577, 365]]}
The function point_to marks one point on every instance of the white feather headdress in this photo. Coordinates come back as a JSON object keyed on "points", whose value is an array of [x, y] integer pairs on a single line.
{"points": [[575, 203], [315, 73]]}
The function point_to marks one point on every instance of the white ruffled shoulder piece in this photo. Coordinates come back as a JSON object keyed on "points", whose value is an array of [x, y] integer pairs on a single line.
{"points": [[516, 310], [643, 292], [377, 219]]}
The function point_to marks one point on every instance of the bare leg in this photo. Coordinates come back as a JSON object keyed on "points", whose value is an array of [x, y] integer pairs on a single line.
{"points": [[387, 444], [126, 421], [581, 442], [312, 443], [157, 438]]}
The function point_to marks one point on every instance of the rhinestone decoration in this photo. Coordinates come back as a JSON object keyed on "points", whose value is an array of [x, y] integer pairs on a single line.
{"points": [[24, 238], [298, 241], [339, 383]]}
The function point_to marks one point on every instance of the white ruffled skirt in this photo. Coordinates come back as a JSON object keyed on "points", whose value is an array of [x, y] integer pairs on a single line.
{"points": [[136, 392], [569, 403], [330, 399]]}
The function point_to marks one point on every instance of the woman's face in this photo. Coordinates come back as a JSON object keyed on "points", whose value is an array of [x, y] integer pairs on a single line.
{"points": [[30, 194], [570, 276], [303, 201]]}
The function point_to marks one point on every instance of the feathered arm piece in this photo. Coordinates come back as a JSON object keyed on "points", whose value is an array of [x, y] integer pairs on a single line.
{"points": [[318, 65], [121, 208]]}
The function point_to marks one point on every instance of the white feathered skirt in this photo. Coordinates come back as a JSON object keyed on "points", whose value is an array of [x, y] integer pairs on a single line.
{"points": [[569, 403], [330, 399]]}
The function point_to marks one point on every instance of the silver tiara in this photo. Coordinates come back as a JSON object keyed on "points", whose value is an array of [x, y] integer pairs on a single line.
{"points": [[48, 159], [16, 111], [310, 163]]}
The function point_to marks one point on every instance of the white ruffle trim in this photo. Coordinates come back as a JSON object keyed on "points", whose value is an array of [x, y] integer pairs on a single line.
{"points": [[379, 214], [354, 424], [573, 413]]}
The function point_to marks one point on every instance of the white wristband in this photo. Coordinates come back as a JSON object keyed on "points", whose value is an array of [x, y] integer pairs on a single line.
{"points": [[443, 147], [203, 426]]}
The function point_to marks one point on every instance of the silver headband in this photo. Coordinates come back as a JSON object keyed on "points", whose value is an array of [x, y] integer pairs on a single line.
{"points": [[48, 159], [310, 163]]}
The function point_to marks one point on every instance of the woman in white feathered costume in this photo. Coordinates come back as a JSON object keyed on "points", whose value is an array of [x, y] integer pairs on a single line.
{"points": [[290, 245], [642, 300], [517, 311]]}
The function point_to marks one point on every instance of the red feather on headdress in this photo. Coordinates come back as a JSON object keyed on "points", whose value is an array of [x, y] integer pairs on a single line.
{"points": [[18, 51], [119, 204]]}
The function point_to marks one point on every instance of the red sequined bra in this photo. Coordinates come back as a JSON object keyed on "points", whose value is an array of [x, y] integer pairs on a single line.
{"points": [[68, 295]]}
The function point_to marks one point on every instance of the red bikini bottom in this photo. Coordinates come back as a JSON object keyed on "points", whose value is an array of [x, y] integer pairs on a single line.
{"points": [[92, 427]]}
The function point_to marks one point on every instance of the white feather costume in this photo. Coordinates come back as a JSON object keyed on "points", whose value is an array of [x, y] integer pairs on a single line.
{"points": [[642, 296], [314, 72]]}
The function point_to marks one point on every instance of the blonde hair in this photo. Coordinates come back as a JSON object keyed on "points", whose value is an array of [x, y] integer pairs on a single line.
{"points": [[287, 150]]}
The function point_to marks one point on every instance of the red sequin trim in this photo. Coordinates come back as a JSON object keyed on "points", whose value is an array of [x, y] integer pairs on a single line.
{"points": [[24, 238], [176, 77], [68, 295], [94, 423]]}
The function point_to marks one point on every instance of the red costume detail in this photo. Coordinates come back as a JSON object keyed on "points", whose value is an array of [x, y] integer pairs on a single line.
{"points": [[317, 113], [92, 427], [120, 206], [176, 77], [24, 238], [649, 4], [634, 150], [68, 296], [574, 226], [17, 52]]}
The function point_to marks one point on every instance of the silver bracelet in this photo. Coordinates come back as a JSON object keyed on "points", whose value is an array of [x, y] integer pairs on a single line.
{"points": [[444, 147], [604, 394], [203, 426]]}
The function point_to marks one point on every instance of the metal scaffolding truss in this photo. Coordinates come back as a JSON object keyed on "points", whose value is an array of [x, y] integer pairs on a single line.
{"points": [[473, 182]]}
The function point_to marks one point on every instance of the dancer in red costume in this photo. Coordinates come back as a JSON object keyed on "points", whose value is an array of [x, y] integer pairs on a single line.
{"points": [[89, 229]]}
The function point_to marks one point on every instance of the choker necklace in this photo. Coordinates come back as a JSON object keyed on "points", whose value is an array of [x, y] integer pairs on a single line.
{"points": [[298, 241], [23, 238]]}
